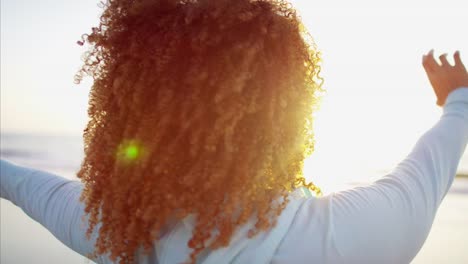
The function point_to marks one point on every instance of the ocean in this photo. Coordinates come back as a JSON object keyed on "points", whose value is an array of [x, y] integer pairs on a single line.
{"points": [[25, 241]]}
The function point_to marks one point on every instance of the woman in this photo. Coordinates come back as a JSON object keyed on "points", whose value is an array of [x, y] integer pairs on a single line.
{"points": [[200, 120]]}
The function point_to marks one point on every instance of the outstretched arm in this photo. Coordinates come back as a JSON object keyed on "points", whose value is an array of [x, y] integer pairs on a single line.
{"points": [[51, 200], [388, 221]]}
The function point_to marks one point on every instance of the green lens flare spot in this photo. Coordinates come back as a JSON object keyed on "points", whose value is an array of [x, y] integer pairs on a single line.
{"points": [[129, 151]]}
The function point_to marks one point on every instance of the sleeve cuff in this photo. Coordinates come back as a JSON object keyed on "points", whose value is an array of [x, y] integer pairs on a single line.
{"points": [[458, 95]]}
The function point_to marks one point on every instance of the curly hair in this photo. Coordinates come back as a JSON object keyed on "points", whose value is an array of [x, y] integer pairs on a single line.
{"points": [[200, 107]]}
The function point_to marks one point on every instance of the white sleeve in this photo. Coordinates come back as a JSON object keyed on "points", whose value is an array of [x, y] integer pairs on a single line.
{"points": [[389, 220], [51, 200]]}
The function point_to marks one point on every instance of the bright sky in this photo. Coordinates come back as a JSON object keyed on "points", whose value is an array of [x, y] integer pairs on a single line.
{"points": [[378, 102]]}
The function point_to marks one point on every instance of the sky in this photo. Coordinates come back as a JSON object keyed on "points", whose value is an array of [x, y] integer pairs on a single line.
{"points": [[39, 57], [378, 100]]}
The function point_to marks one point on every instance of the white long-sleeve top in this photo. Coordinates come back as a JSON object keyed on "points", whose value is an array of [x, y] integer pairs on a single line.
{"points": [[384, 222]]}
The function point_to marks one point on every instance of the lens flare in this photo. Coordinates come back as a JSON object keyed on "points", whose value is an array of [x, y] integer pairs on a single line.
{"points": [[129, 151]]}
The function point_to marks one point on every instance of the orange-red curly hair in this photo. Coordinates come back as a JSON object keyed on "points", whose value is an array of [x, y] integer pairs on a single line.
{"points": [[197, 107]]}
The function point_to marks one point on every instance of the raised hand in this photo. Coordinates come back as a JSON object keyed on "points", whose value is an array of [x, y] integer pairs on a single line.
{"points": [[443, 76]]}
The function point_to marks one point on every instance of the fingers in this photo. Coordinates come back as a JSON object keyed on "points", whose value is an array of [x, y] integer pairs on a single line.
{"points": [[458, 61], [443, 60], [429, 62]]}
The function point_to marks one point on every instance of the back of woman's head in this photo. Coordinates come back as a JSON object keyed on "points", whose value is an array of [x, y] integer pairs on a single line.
{"points": [[198, 107]]}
